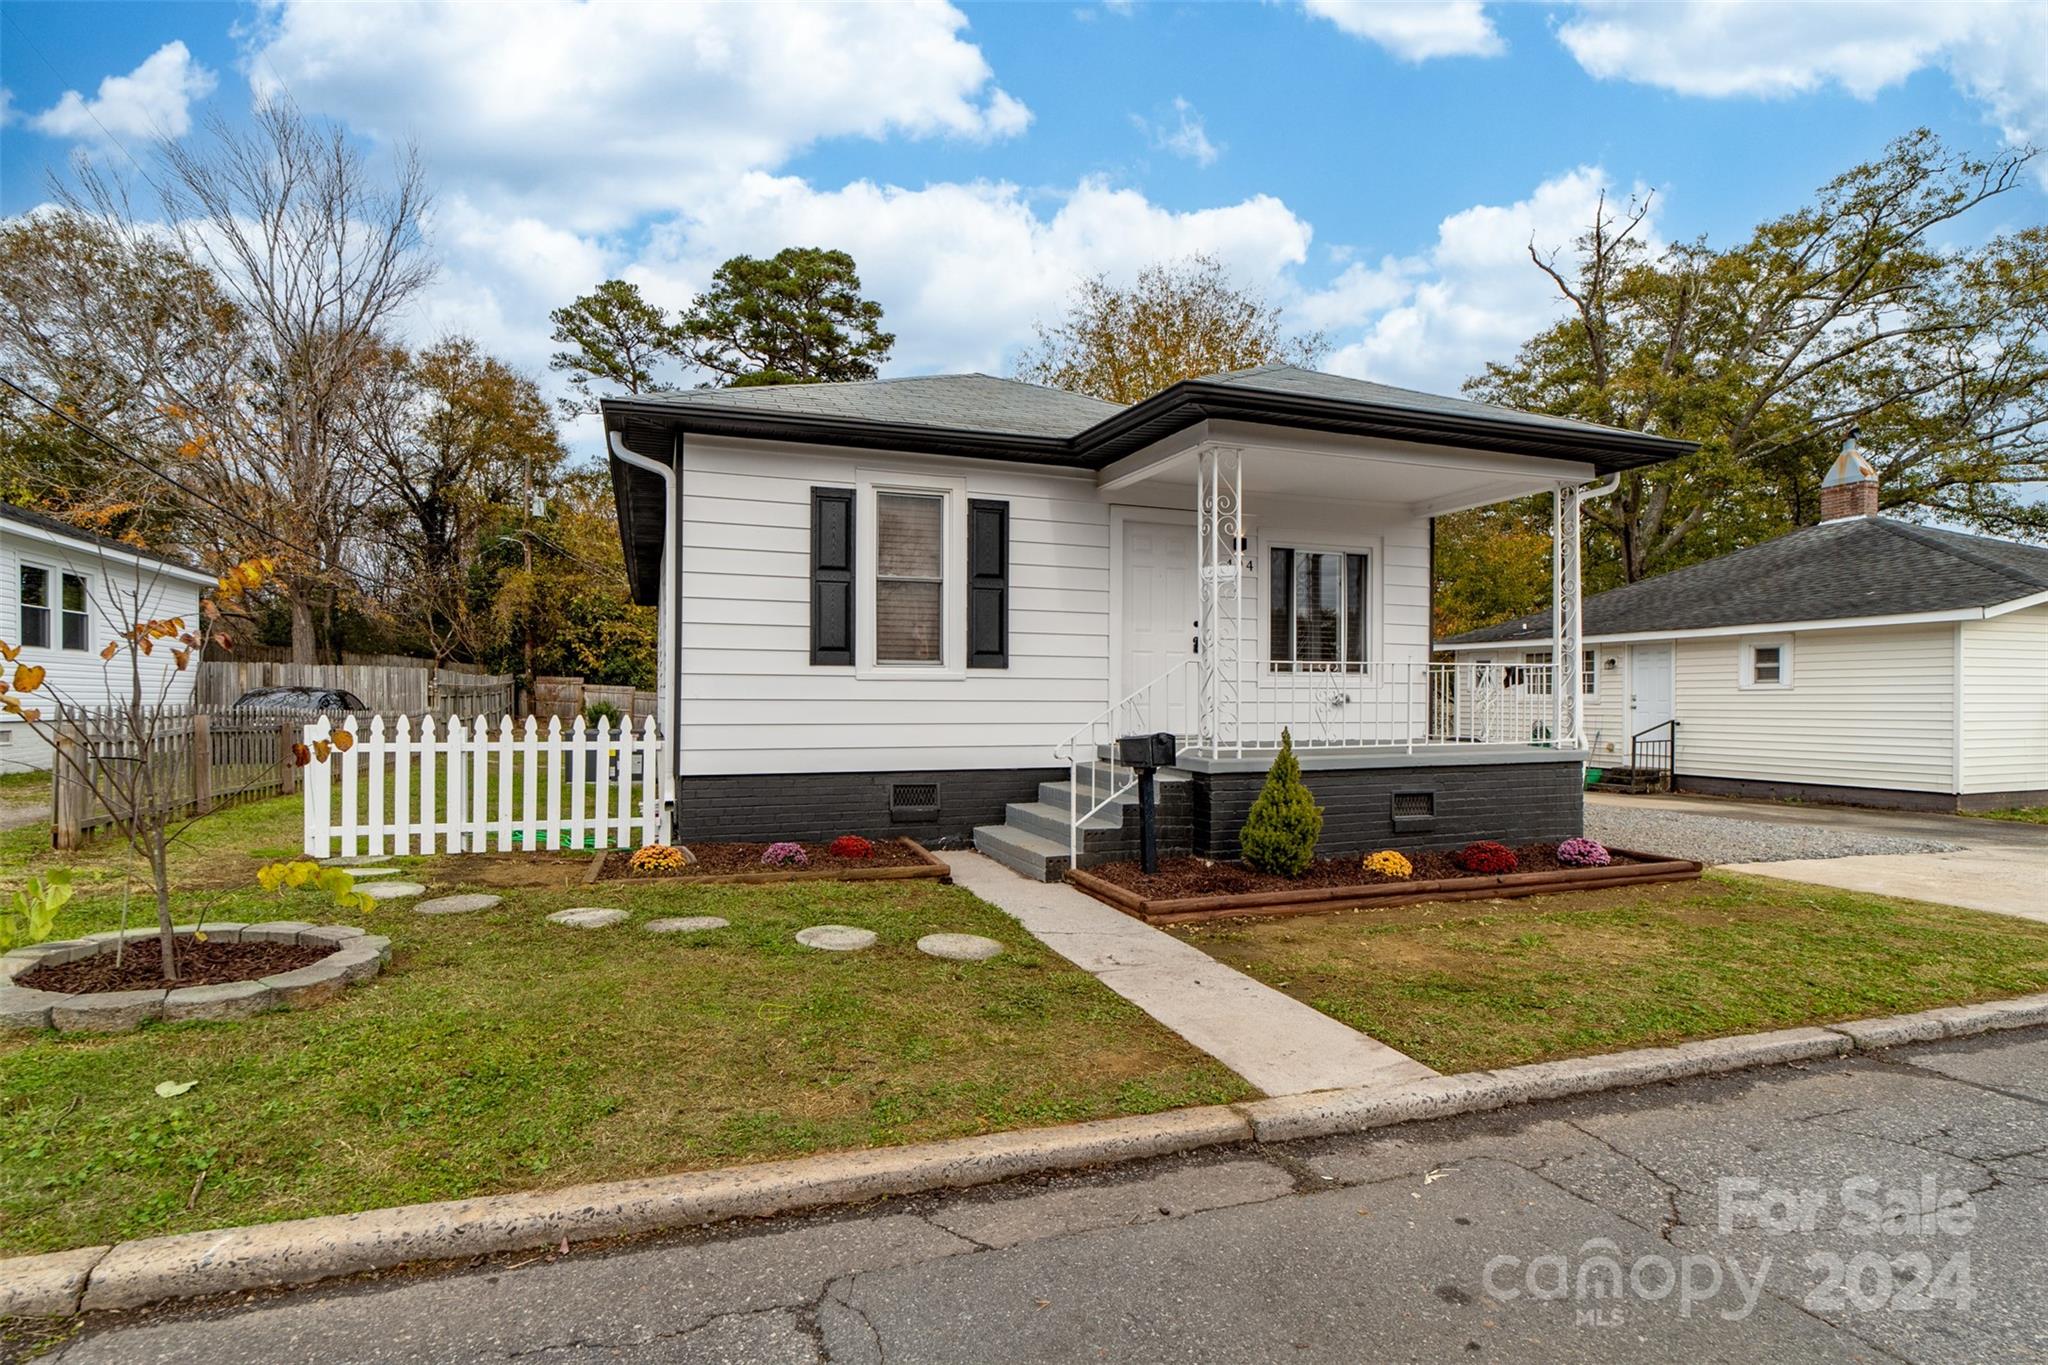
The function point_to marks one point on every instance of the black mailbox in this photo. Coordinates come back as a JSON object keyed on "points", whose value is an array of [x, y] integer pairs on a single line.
{"points": [[1148, 751]]}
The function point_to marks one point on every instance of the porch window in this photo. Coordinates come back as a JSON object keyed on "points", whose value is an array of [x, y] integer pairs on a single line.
{"points": [[1539, 683], [76, 625], [910, 585], [1318, 614], [35, 606]]}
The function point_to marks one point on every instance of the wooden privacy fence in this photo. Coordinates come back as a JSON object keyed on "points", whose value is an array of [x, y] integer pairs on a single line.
{"points": [[199, 760], [571, 697], [410, 689], [427, 787]]}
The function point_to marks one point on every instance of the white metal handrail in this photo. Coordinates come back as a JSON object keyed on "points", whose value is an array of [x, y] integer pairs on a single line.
{"points": [[1148, 710]]}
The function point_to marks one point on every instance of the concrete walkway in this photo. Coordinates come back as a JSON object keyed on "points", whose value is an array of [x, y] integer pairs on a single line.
{"points": [[1272, 1040], [2003, 881]]}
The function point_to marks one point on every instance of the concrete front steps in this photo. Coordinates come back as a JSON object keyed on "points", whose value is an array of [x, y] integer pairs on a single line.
{"points": [[1032, 840]]}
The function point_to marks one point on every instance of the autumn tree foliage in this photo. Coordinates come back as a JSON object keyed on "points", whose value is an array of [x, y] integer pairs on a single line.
{"points": [[1176, 320]]}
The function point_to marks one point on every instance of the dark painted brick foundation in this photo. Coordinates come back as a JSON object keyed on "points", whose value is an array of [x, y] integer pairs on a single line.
{"points": [[1516, 803], [809, 807], [1883, 798]]}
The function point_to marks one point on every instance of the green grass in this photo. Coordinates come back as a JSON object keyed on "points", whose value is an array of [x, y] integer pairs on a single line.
{"points": [[2026, 815], [24, 784], [1569, 975], [500, 1052]]}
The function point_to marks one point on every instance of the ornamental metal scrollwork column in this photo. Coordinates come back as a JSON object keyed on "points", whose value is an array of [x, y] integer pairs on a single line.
{"points": [[1569, 625], [1220, 568]]}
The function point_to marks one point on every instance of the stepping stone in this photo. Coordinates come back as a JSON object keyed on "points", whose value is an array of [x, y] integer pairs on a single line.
{"points": [[361, 872], [445, 905], [959, 947], [355, 860], [391, 891], [687, 924], [586, 917], [836, 938]]}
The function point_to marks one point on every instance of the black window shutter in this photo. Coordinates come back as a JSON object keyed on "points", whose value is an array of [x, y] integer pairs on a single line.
{"points": [[1280, 583], [832, 575], [988, 584]]}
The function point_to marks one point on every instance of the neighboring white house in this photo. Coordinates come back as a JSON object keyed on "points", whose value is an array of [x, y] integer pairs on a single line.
{"points": [[1863, 660], [927, 605], [63, 595]]}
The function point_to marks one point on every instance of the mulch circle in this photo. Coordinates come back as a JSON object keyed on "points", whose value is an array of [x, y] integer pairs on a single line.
{"points": [[1178, 878], [199, 964], [724, 860]]}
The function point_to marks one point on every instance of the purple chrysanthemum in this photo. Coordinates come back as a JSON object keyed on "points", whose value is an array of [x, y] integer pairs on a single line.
{"points": [[1583, 853]]}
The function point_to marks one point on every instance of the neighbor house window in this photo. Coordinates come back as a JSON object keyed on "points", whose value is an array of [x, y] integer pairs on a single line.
{"points": [[1539, 683], [1318, 620], [910, 585], [35, 606], [76, 624], [1767, 663]]}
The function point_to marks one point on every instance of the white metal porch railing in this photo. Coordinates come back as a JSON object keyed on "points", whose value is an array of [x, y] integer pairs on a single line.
{"points": [[458, 788], [1408, 706]]}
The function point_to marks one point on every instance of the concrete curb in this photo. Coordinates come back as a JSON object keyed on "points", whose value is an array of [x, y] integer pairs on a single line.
{"points": [[191, 1265]]}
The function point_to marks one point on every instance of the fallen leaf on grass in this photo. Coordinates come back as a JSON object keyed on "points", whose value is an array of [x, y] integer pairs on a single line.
{"points": [[167, 1089]]}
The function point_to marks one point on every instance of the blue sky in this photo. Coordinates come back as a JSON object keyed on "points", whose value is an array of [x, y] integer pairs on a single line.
{"points": [[1378, 169]]}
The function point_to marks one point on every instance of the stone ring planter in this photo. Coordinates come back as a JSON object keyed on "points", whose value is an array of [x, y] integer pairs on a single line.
{"points": [[356, 957], [1642, 868]]}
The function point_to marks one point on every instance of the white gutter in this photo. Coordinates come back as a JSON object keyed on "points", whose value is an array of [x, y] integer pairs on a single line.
{"points": [[668, 643]]}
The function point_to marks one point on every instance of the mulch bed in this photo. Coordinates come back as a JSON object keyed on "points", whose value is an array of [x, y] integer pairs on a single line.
{"points": [[1186, 890], [737, 862], [199, 964], [1178, 877]]}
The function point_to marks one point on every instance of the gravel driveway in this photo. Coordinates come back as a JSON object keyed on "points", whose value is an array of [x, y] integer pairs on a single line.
{"points": [[1724, 839]]}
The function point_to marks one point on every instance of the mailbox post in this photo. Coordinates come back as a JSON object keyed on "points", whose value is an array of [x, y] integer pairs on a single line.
{"points": [[1146, 755]]}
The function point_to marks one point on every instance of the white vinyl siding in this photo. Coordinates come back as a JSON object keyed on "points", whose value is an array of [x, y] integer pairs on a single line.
{"points": [[1867, 708], [753, 703], [1604, 710], [114, 595], [2005, 702]]}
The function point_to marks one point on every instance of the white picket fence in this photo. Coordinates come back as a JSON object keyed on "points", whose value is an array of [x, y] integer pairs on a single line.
{"points": [[451, 787]]}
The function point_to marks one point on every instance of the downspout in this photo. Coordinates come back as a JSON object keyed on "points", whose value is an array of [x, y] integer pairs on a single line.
{"points": [[668, 637]]}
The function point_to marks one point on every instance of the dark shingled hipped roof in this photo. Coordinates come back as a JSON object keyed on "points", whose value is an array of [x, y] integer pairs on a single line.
{"points": [[982, 417], [1838, 570]]}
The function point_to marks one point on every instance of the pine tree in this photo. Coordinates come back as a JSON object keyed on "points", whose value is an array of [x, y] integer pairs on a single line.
{"points": [[1279, 836]]}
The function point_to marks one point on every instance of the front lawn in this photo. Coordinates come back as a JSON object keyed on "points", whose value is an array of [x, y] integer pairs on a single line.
{"points": [[500, 1052], [1465, 988]]}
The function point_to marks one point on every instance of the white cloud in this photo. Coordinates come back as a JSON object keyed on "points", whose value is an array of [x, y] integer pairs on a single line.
{"points": [[596, 114], [153, 100], [1997, 53], [1415, 32], [1187, 138], [963, 270], [1432, 320]]}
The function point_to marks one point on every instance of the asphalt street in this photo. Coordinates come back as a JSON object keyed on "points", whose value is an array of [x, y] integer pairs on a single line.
{"points": [[1869, 1208]]}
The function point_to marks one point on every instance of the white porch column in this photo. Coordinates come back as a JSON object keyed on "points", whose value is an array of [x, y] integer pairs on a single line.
{"points": [[1220, 566], [1566, 633]]}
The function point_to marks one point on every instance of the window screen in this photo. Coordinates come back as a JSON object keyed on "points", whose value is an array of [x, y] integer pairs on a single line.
{"points": [[909, 578], [1768, 664], [35, 606], [77, 634]]}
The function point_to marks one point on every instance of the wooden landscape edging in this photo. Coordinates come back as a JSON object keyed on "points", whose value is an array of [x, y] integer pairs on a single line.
{"points": [[927, 867], [1326, 899]]}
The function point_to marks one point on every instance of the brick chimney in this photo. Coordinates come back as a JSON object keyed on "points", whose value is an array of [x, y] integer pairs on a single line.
{"points": [[1850, 489]]}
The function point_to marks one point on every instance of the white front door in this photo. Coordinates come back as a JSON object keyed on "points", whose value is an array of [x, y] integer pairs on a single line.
{"points": [[1161, 619], [1649, 686]]}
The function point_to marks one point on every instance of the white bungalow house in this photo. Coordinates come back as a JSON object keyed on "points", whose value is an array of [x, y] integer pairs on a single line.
{"points": [[63, 592], [929, 605], [1864, 660]]}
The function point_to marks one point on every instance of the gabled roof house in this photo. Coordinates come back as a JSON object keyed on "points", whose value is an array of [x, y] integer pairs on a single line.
{"points": [[932, 605], [1863, 660]]}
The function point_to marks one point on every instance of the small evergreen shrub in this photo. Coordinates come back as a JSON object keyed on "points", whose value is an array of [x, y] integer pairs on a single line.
{"points": [[658, 858], [1279, 836], [786, 855], [1583, 853], [851, 846], [1486, 858], [1388, 863]]}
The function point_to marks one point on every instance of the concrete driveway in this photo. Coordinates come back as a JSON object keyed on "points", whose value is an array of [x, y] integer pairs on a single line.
{"points": [[1995, 865]]}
